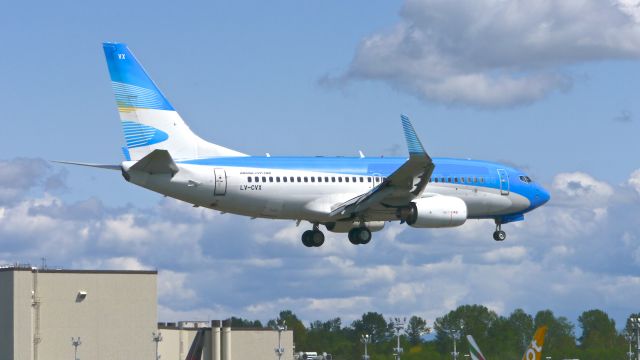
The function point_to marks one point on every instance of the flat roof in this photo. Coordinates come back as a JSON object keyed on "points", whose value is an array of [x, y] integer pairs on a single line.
{"points": [[72, 271]]}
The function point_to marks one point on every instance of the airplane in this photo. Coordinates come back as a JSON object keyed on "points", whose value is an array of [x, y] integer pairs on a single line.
{"points": [[533, 352], [353, 195]]}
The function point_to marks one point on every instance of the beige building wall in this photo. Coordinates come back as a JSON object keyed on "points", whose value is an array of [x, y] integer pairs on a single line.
{"points": [[114, 321], [260, 344], [238, 344]]}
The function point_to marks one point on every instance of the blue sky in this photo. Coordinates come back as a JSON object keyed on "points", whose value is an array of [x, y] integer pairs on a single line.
{"points": [[549, 87]]}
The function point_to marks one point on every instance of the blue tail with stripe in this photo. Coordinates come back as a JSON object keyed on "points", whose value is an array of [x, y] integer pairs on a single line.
{"points": [[149, 121]]}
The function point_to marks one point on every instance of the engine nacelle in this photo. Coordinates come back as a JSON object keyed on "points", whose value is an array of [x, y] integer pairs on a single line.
{"points": [[345, 226], [435, 212]]}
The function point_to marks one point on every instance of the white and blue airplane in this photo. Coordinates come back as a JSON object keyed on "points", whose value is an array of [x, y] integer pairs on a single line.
{"points": [[354, 195]]}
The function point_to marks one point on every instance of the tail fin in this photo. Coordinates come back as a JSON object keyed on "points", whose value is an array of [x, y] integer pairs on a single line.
{"points": [[534, 351], [148, 119], [475, 352]]}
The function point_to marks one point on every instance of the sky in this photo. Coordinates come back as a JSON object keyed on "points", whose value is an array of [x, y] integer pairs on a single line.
{"points": [[549, 87]]}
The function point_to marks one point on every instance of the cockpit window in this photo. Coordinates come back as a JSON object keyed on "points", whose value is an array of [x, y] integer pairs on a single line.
{"points": [[525, 179]]}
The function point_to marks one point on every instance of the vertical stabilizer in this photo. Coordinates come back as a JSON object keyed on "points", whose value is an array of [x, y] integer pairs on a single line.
{"points": [[534, 351], [149, 121], [474, 350]]}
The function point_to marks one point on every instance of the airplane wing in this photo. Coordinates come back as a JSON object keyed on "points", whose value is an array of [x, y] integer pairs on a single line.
{"points": [[405, 184]]}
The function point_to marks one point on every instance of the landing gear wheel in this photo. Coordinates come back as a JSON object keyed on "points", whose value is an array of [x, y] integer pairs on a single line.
{"points": [[358, 236], [352, 236], [307, 238], [317, 238], [499, 235], [364, 235]]}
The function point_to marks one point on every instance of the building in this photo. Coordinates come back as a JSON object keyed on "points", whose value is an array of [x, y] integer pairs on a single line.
{"points": [[113, 312], [222, 342]]}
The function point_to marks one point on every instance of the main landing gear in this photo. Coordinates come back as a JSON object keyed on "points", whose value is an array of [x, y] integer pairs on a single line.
{"points": [[313, 238], [359, 236], [499, 235]]}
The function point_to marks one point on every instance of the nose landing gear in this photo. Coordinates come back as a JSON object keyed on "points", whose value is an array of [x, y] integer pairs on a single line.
{"points": [[499, 235]]}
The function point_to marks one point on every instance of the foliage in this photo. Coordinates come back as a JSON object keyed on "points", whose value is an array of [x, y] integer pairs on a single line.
{"points": [[499, 337]]}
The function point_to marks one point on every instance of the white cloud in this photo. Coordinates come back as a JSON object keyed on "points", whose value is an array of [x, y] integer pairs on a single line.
{"points": [[581, 188], [494, 53], [513, 253]]}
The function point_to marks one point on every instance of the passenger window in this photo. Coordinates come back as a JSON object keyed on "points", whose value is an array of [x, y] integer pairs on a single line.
{"points": [[368, 178], [455, 180], [339, 178], [346, 179], [449, 180], [306, 179], [333, 179], [475, 179], [313, 179], [326, 179], [462, 180], [284, 179], [481, 179], [277, 178], [299, 179], [442, 179], [354, 179], [257, 179], [270, 178], [264, 179], [361, 179], [292, 179], [377, 179], [249, 179], [436, 179], [319, 178], [469, 180]]}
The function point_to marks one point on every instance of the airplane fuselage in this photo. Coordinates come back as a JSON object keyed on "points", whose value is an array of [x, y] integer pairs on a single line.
{"points": [[306, 188]]}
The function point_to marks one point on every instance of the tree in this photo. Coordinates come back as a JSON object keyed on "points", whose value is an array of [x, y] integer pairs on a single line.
{"points": [[521, 324], [293, 323], [374, 324], [415, 328], [560, 341], [245, 323], [599, 336], [476, 319]]}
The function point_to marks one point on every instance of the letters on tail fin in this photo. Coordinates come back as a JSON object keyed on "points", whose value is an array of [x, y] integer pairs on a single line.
{"points": [[474, 351], [534, 351], [149, 121]]}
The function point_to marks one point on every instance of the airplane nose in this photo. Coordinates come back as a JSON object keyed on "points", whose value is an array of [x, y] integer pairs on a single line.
{"points": [[542, 197]]}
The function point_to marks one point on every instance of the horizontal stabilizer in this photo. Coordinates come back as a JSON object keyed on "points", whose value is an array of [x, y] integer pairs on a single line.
{"points": [[101, 166], [156, 162]]}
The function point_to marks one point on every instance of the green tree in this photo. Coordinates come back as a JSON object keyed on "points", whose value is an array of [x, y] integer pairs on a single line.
{"points": [[475, 319], [293, 323], [374, 324], [599, 336], [560, 340], [415, 328], [245, 323], [521, 324]]}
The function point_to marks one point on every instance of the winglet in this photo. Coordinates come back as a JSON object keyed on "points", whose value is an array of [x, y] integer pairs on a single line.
{"points": [[413, 143]]}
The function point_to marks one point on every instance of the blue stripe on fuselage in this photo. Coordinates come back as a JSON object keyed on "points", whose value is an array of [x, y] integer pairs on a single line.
{"points": [[444, 167]]}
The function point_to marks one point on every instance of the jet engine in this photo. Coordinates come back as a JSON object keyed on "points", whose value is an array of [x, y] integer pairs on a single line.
{"points": [[435, 212], [345, 226]]}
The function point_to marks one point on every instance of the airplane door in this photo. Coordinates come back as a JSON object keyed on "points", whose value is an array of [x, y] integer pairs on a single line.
{"points": [[221, 182], [504, 181]]}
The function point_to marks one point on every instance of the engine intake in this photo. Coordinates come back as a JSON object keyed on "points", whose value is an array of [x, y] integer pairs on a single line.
{"points": [[435, 212]]}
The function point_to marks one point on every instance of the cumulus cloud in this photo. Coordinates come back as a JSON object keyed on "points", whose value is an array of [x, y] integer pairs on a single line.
{"points": [[494, 53], [213, 266]]}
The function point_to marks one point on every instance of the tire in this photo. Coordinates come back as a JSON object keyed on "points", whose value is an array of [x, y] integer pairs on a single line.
{"points": [[353, 238], [364, 235], [307, 238], [502, 235], [317, 238]]}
